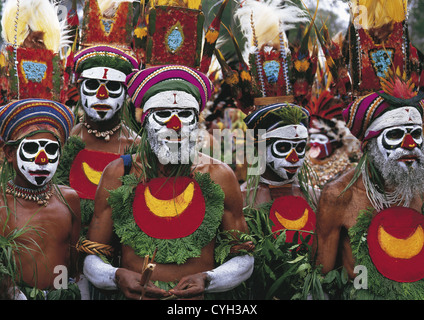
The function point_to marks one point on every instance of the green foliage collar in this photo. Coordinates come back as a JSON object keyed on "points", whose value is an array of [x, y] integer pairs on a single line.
{"points": [[379, 287], [169, 250]]}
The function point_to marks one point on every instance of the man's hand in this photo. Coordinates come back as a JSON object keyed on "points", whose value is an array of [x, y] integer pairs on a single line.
{"points": [[247, 246], [192, 286], [129, 283]]}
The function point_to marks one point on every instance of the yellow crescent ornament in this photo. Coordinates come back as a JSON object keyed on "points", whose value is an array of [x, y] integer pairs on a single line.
{"points": [[172, 207], [92, 175], [297, 224], [401, 248]]}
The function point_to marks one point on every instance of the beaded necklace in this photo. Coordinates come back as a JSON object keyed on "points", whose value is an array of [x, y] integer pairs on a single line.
{"points": [[101, 134], [41, 195]]}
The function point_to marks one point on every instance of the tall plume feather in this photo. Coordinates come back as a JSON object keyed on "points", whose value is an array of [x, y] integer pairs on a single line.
{"points": [[36, 16], [270, 20], [190, 4], [109, 7], [377, 13]]}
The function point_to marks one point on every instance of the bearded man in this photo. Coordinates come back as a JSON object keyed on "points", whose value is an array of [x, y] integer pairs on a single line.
{"points": [[176, 206], [364, 215]]}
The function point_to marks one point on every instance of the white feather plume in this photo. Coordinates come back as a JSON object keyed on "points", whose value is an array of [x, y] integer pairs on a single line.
{"points": [[270, 19], [34, 15], [108, 7]]}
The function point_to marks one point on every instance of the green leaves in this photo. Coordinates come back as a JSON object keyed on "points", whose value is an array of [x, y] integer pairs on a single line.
{"points": [[291, 115], [169, 250]]}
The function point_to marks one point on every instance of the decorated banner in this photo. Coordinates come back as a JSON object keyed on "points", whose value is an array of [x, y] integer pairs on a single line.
{"points": [[40, 75], [175, 36], [101, 28]]}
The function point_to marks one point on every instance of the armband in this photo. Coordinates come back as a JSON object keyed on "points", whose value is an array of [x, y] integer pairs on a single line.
{"points": [[95, 248]]}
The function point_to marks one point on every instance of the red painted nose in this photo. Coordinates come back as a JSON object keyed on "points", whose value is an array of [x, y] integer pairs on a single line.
{"points": [[292, 157], [102, 92], [174, 123], [41, 158], [408, 142]]}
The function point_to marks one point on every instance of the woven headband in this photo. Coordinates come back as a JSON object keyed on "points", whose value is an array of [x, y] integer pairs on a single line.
{"points": [[104, 56], [19, 118], [361, 114], [142, 83]]}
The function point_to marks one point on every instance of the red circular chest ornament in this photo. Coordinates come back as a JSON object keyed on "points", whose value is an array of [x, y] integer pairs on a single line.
{"points": [[395, 242], [169, 208], [294, 213], [86, 171]]}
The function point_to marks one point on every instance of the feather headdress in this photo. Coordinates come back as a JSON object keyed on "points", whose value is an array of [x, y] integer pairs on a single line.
{"points": [[19, 19], [264, 25], [265, 22], [107, 22], [37, 47], [190, 4], [325, 106], [377, 13], [108, 8], [398, 90]]}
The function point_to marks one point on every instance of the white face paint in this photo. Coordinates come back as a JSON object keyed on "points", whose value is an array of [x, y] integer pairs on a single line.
{"points": [[38, 159], [318, 138], [401, 144], [321, 146], [172, 134], [101, 99], [285, 156]]}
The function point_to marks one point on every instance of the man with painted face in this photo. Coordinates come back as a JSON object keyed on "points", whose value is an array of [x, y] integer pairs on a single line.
{"points": [[275, 200], [285, 134], [101, 72], [365, 214], [178, 199], [33, 132], [102, 135]]}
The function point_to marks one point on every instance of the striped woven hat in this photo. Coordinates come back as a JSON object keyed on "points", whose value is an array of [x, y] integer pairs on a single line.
{"points": [[369, 115], [292, 118], [22, 117], [104, 62], [143, 85]]}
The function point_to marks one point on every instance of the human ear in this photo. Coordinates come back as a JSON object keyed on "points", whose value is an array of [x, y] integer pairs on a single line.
{"points": [[9, 152]]}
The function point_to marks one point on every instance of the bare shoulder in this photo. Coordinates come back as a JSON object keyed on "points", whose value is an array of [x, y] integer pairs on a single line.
{"points": [[334, 191], [219, 171], [255, 195], [68, 192], [76, 130], [111, 176], [129, 135], [70, 196], [114, 167]]}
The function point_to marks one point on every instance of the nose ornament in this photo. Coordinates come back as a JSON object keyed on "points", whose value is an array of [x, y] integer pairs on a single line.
{"points": [[408, 142], [292, 157], [41, 158], [174, 123], [102, 92]]}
